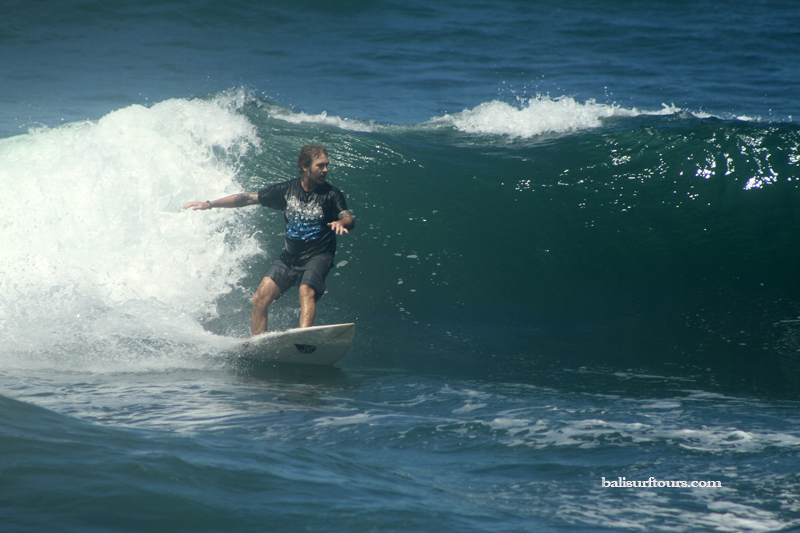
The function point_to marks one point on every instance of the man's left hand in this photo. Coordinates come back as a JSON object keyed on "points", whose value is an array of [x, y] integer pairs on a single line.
{"points": [[338, 227]]}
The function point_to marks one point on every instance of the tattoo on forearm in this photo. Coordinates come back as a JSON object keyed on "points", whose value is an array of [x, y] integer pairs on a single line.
{"points": [[241, 200]]}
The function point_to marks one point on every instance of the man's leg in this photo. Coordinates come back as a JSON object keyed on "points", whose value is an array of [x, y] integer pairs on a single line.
{"points": [[308, 306], [312, 286], [267, 293]]}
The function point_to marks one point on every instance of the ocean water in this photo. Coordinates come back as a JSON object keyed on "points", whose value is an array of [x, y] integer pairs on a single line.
{"points": [[574, 272]]}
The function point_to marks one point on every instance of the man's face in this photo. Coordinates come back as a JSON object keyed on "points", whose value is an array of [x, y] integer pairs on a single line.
{"points": [[315, 174]]}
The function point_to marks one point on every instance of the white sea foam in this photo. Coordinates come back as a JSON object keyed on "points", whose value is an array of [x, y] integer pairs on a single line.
{"points": [[539, 432], [528, 118], [322, 118], [537, 116], [95, 244], [654, 513]]}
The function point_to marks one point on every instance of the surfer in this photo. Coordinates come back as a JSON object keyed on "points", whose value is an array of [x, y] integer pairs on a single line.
{"points": [[315, 213]]}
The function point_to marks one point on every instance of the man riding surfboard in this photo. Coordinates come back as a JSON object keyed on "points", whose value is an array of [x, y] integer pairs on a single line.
{"points": [[315, 212]]}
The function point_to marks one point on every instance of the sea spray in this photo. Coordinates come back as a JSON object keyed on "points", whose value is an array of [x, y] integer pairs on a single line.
{"points": [[95, 243]]}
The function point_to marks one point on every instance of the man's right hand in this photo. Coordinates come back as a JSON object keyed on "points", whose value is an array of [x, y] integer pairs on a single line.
{"points": [[198, 206]]}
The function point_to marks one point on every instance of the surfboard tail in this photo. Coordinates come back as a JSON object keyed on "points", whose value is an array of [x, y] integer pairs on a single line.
{"points": [[315, 345]]}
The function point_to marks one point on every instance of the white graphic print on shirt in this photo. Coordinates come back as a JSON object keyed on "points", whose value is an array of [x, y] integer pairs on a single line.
{"points": [[305, 220]]}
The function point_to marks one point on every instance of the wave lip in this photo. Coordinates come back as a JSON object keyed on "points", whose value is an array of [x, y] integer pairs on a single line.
{"points": [[530, 117], [322, 118]]}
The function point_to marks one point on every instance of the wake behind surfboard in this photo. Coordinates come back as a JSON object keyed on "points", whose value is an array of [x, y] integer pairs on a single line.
{"points": [[316, 345]]}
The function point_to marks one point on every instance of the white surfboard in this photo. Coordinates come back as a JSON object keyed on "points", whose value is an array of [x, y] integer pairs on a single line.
{"points": [[316, 345]]}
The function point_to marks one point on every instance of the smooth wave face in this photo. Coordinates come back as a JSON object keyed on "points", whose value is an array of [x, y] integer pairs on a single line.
{"points": [[638, 237]]}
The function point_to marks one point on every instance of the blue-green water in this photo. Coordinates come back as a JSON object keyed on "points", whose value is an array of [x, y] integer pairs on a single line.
{"points": [[575, 258]]}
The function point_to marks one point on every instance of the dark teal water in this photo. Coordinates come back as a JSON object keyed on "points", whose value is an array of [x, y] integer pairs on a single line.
{"points": [[575, 259]]}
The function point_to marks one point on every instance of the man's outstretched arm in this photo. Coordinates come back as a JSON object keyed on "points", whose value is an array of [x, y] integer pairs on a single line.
{"points": [[234, 200]]}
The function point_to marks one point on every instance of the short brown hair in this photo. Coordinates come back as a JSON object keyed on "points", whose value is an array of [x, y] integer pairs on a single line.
{"points": [[307, 155]]}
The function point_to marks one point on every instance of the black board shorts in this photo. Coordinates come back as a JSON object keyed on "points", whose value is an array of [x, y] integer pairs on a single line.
{"points": [[311, 273]]}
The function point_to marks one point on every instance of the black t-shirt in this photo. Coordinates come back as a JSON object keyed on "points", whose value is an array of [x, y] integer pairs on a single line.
{"points": [[307, 215]]}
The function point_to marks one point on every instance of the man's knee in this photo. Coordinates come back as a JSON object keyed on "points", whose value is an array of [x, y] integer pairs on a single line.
{"points": [[267, 292], [307, 291]]}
